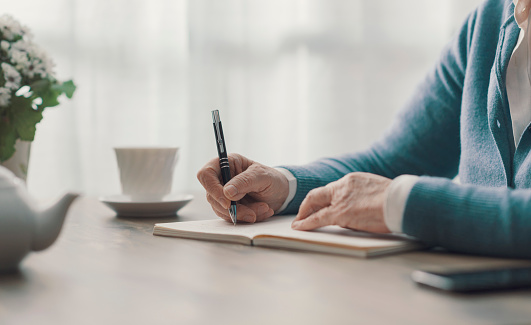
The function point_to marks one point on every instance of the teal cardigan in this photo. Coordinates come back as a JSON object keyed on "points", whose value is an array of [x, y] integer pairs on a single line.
{"points": [[457, 122]]}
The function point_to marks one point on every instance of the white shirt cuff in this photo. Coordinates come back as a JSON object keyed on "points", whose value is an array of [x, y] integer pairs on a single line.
{"points": [[292, 182], [395, 202]]}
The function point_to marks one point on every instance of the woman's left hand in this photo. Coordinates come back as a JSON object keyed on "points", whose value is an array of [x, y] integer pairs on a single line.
{"points": [[355, 201]]}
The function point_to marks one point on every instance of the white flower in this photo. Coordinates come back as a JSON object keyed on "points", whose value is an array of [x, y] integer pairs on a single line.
{"points": [[37, 68], [11, 76], [4, 45], [10, 28], [5, 97], [19, 59], [43, 64], [19, 55], [45, 68], [23, 45], [25, 31], [31, 60]]}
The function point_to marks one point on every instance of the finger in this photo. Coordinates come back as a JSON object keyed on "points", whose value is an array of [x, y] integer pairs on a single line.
{"points": [[223, 214], [209, 176], [218, 209], [214, 203], [261, 210], [251, 180], [266, 215], [321, 218], [244, 213], [314, 201], [247, 212]]}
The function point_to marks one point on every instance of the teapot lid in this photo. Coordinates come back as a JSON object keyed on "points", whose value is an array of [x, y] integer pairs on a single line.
{"points": [[7, 178]]}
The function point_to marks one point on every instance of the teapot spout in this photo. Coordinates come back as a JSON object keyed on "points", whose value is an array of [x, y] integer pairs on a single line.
{"points": [[48, 223]]}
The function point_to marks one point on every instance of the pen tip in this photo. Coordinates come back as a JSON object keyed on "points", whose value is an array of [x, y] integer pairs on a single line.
{"points": [[232, 212]]}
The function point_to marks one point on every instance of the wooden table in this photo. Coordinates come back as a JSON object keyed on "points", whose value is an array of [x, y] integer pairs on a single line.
{"points": [[108, 270]]}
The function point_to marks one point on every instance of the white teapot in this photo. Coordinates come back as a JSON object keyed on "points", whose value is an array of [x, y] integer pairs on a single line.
{"points": [[24, 227]]}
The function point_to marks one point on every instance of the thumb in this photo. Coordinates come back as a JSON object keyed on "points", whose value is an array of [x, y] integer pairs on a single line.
{"points": [[246, 182]]}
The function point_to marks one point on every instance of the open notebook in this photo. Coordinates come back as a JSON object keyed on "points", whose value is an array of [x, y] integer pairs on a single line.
{"points": [[276, 232]]}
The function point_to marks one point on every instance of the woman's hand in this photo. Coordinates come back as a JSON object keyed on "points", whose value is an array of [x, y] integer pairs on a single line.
{"points": [[356, 201], [260, 190]]}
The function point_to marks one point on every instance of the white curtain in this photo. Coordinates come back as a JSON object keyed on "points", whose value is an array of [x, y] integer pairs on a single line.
{"points": [[294, 80]]}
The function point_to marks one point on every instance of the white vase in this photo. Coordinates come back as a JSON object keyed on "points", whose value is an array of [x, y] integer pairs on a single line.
{"points": [[18, 163]]}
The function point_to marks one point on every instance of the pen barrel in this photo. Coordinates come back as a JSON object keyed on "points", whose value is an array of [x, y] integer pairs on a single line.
{"points": [[225, 174], [225, 170], [222, 149], [220, 141]]}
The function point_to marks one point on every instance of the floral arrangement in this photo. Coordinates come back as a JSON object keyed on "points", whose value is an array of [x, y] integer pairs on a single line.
{"points": [[27, 85]]}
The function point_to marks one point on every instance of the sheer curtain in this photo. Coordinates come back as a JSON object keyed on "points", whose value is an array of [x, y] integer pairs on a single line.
{"points": [[294, 80]]}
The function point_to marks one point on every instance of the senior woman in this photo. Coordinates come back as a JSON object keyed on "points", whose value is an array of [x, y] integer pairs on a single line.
{"points": [[469, 117]]}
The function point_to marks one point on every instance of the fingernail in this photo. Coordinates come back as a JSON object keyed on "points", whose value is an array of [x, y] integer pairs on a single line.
{"points": [[232, 190], [295, 224]]}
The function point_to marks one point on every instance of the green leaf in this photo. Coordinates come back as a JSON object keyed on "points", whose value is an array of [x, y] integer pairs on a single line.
{"points": [[67, 87], [49, 98], [7, 139], [40, 86], [25, 118], [49, 91]]}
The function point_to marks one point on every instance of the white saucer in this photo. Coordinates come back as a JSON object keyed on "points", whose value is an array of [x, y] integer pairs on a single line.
{"points": [[168, 206]]}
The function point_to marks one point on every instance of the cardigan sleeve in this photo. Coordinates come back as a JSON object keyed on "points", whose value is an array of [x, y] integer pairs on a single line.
{"points": [[424, 138], [469, 218]]}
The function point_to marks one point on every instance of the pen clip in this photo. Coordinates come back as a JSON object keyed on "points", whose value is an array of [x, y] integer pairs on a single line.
{"points": [[217, 123]]}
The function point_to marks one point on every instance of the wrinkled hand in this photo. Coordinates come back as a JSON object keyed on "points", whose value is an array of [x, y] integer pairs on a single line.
{"points": [[260, 190], [355, 201]]}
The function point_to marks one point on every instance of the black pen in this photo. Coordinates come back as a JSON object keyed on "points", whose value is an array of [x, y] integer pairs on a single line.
{"points": [[223, 160]]}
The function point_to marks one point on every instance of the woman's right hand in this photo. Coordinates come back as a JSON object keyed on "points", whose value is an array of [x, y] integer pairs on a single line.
{"points": [[260, 190]]}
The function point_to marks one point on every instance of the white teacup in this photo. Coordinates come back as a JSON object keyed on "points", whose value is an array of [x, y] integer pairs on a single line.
{"points": [[146, 173]]}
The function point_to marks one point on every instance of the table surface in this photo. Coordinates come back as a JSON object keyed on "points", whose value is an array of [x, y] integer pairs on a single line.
{"points": [[109, 270]]}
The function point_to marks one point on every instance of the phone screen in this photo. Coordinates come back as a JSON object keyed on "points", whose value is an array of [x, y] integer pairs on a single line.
{"points": [[476, 280]]}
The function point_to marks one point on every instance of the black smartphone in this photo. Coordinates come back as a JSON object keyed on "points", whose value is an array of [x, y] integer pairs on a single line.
{"points": [[475, 280]]}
